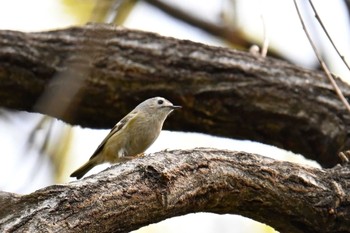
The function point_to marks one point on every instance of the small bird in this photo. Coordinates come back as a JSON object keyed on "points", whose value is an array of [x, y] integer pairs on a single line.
{"points": [[132, 135]]}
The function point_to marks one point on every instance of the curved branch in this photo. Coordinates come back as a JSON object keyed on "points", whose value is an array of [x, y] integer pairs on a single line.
{"points": [[81, 73], [287, 196]]}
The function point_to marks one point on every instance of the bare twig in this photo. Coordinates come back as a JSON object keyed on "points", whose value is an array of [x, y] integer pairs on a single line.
{"points": [[265, 45], [327, 34], [322, 63], [344, 157]]}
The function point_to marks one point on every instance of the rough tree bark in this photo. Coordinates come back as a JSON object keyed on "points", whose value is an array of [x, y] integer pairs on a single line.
{"points": [[82, 73], [287, 196]]}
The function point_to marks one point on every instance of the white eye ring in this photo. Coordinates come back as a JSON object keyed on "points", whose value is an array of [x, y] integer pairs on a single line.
{"points": [[160, 102]]}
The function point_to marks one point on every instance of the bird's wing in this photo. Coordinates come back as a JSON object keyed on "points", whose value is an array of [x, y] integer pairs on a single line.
{"points": [[121, 124]]}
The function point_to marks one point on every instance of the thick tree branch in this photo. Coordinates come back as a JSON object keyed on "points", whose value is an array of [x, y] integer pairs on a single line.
{"points": [[287, 196], [82, 73]]}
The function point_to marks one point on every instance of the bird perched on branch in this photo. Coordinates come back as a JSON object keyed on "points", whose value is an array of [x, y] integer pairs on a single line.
{"points": [[132, 135]]}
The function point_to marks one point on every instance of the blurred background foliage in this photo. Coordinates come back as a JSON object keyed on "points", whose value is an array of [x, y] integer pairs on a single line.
{"points": [[81, 10]]}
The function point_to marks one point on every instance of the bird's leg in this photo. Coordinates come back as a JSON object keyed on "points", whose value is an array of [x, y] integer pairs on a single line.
{"points": [[140, 155], [125, 158]]}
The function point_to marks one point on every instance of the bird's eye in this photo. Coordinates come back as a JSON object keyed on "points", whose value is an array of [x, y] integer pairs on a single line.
{"points": [[160, 102]]}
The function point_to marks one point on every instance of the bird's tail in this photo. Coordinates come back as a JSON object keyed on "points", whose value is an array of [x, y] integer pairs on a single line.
{"points": [[80, 172]]}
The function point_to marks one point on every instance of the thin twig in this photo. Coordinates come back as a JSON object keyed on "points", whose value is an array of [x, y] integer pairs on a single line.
{"points": [[327, 34], [265, 45], [322, 63]]}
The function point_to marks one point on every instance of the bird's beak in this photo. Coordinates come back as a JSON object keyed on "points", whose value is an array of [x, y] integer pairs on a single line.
{"points": [[175, 107]]}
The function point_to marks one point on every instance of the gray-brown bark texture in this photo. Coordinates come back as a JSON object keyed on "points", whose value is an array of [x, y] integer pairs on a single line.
{"points": [[93, 75], [287, 196]]}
